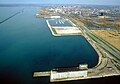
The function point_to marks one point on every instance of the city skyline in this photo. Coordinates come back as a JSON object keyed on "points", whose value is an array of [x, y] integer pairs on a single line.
{"points": [[89, 2]]}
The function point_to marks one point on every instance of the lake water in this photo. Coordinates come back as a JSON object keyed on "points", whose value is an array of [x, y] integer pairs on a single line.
{"points": [[27, 45]]}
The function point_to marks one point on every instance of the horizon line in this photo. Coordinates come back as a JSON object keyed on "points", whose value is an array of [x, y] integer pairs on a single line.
{"points": [[56, 4]]}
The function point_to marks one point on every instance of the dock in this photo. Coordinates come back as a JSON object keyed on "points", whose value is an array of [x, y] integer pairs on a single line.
{"points": [[63, 74], [104, 69], [69, 75], [39, 74]]}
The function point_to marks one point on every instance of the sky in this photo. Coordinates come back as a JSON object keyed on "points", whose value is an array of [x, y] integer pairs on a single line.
{"points": [[96, 2]]}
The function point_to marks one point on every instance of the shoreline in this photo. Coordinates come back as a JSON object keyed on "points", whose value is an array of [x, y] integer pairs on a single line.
{"points": [[103, 57], [104, 68], [92, 44], [91, 77]]}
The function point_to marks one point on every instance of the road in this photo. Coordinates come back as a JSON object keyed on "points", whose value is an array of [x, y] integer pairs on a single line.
{"points": [[112, 51]]}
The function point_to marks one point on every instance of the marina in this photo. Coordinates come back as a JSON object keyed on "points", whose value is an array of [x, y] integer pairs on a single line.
{"points": [[61, 26], [28, 50]]}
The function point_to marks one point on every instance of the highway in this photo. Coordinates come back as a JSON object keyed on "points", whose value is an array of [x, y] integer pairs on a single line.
{"points": [[112, 51]]}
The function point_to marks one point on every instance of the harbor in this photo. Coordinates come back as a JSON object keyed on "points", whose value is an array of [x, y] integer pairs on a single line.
{"points": [[105, 67], [28, 47], [20, 38]]}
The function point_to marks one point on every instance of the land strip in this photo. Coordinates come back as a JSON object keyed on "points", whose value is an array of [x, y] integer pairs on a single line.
{"points": [[111, 36]]}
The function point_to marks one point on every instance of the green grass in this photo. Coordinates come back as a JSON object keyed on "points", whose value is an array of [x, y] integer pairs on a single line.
{"points": [[53, 29]]}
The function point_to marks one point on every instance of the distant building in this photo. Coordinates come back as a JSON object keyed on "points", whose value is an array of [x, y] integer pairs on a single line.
{"points": [[101, 14], [55, 17], [37, 14], [103, 17]]}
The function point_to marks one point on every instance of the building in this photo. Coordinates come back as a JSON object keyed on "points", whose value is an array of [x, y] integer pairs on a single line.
{"points": [[63, 74], [55, 16]]}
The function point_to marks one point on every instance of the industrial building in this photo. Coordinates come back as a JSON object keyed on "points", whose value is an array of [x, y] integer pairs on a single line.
{"points": [[55, 17], [63, 74]]}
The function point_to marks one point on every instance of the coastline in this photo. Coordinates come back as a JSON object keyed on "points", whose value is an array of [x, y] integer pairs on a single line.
{"points": [[104, 68]]}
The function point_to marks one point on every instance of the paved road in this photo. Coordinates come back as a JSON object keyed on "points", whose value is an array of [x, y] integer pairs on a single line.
{"points": [[113, 52]]}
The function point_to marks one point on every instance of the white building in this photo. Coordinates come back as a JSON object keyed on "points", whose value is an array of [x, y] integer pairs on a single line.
{"points": [[69, 73], [55, 17]]}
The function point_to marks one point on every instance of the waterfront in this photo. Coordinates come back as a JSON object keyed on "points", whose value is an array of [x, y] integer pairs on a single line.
{"points": [[26, 45], [58, 27]]}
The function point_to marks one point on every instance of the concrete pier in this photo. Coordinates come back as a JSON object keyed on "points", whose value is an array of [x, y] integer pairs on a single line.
{"points": [[51, 29], [39, 74]]}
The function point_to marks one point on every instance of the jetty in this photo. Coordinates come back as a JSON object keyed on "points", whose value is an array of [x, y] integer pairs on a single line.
{"points": [[76, 73], [39, 74], [63, 74], [11, 17]]}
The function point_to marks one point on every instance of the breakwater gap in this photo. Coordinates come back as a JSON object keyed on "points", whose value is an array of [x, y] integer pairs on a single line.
{"points": [[12, 16]]}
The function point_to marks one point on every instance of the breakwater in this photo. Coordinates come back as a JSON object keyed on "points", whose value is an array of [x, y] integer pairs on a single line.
{"points": [[10, 17]]}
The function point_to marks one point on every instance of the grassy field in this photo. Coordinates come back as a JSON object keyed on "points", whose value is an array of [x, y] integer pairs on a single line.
{"points": [[53, 29], [110, 36]]}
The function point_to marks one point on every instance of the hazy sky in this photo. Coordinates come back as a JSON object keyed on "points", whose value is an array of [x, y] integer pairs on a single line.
{"points": [[100, 2]]}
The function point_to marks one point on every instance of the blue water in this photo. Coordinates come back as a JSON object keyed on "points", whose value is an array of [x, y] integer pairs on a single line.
{"points": [[27, 45]]}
